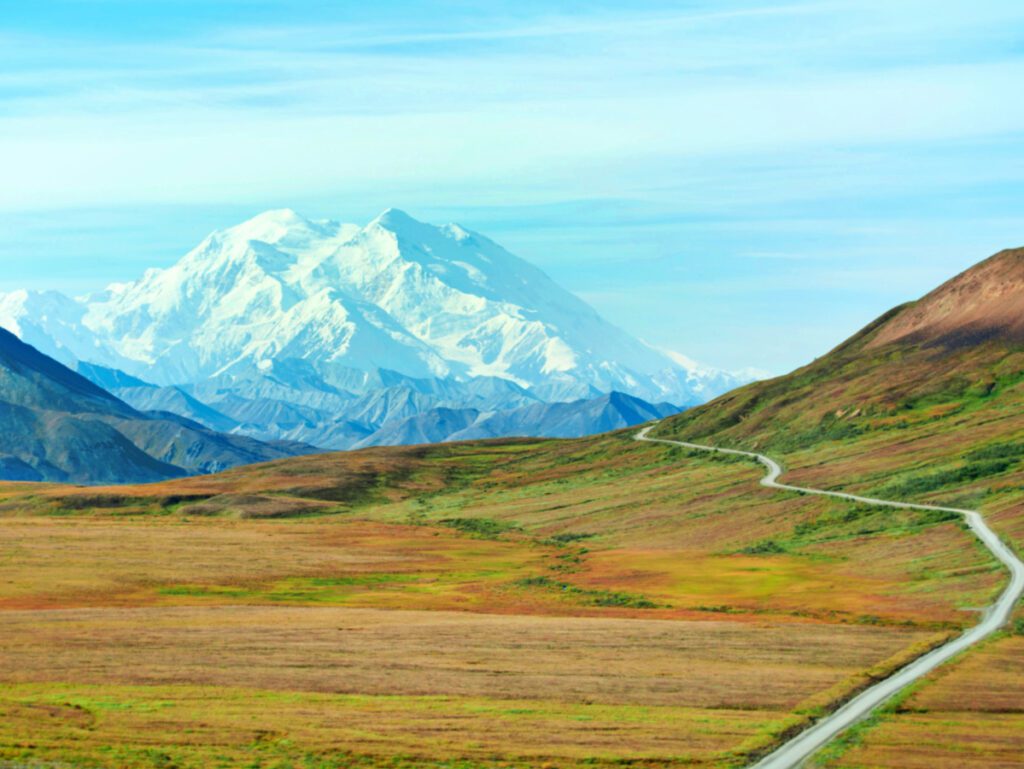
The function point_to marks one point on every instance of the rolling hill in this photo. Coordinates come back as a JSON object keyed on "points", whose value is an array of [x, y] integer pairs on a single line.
{"points": [[926, 402]]}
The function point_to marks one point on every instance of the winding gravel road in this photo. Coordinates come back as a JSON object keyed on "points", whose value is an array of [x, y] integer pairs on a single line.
{"points": [[794, 753]]}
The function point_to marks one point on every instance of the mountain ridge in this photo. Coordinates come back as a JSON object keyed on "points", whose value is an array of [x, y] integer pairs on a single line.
{"points": [[434, 302], [60, 426], [283, 327]]}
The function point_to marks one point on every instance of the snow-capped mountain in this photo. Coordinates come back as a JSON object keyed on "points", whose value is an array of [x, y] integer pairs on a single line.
{"points": [[318, 314]]}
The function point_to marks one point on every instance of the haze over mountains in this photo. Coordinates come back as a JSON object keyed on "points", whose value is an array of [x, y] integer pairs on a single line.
{"points": [[59, 426], [327, 333]]}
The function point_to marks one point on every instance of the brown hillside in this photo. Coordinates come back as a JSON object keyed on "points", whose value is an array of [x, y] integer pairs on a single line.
{"points": [[925, 403], [982, 303]]}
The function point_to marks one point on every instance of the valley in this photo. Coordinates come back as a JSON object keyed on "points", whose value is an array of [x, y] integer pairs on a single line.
{"points": [[528, 601], [498, 558], [512, 385]]}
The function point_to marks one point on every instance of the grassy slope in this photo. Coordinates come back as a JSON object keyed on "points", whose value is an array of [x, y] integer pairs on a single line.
{"points": [[904, 422], [921, 423]]}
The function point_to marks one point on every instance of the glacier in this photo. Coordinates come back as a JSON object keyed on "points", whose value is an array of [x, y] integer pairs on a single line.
{"points": [[288, 327]]}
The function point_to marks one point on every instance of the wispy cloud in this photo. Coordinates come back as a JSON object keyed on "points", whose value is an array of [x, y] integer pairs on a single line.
{"points": [[607, 142]]}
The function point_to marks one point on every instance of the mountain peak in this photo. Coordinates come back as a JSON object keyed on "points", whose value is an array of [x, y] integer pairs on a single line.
{"points": [[282, 216], [395, 219], [985, 302], [398, 293], [272, 226]]}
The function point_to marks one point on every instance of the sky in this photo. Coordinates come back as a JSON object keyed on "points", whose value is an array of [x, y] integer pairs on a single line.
{"points": [[747, 183]]}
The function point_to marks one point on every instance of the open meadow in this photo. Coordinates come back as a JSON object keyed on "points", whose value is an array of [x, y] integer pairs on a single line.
{"points": [[275, 685], [507, 603]]}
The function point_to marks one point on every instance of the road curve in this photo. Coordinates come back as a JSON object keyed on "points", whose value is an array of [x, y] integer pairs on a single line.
{"points": [[796, 751]]}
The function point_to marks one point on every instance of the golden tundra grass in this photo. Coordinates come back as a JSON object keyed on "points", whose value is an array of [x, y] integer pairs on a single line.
{"points": [[496, 604], [271, 685], [468, 526], [966, 716]]}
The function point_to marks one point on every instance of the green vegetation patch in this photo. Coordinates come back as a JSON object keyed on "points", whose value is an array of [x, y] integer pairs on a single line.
{"points": [[927, 482], [484, 528], [765, 547], [362, 579], [829, 428], [569, 536], [302, 589], [588, 596], [1011, 450], [857, 519], [844, 520]]}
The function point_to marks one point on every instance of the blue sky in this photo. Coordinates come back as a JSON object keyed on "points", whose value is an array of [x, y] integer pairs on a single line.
{"points": [[745, 182]]}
